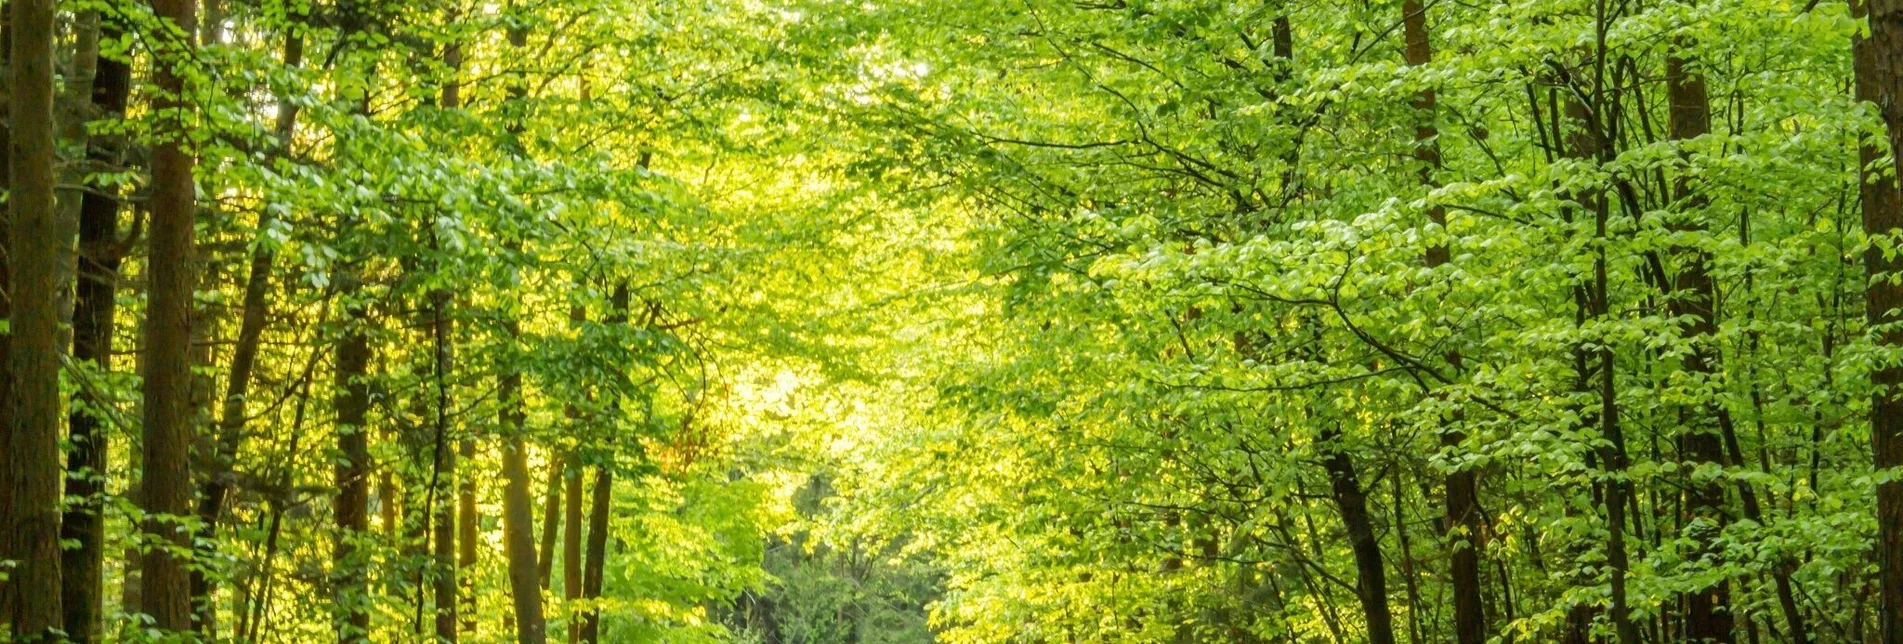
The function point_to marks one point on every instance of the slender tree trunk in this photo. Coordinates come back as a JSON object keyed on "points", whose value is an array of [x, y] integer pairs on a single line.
{"points": [[34, 286], [551, 518], [166, 480], [443, 334], [352, 472], [600, 505], [571, 544], [100, 251], [467, 526], [1463, 526], [1878, 62], [1352, 502]]}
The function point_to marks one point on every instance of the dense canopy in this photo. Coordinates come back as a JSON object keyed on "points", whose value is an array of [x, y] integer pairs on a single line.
{"points": [[905, 321]]}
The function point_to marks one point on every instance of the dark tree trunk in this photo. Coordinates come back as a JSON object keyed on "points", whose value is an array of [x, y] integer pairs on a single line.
{"points": [[599, 507], [165, 487], [442, 332], [1878, 61], [100, 252], [571, 543], [1707, 615], [1352, 502], [352, 473], [33, 454], [1464, 530]]}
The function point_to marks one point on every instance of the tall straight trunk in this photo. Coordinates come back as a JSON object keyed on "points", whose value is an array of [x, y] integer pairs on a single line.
{"points": [[1707, 613], [1878, 62], [444, 559], [352, 473], [1459, 500], [468, 534], [571, 543], [165, 484], [1371, 578], [33, 471], [6, 362], [100, 252], [443, 335], [551, 518], [518, 520]]}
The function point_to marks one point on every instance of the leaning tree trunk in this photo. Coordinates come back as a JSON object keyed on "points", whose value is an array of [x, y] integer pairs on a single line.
{"points": [[1371, 578]]}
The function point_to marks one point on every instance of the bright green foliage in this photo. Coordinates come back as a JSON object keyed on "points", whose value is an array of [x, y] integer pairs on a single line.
{"points": [[1029, 321]]}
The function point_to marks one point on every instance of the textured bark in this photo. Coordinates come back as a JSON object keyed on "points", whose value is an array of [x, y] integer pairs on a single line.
{"points": [[1878, 63], [100, 252], [165, 488], [442, 335], [1352, 503], [33, 471]]}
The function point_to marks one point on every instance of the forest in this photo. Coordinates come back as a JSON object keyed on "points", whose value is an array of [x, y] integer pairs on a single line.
{"points": [[961, 321]]}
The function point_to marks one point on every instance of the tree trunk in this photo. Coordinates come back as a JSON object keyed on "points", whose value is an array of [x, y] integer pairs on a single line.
{"points": [[100, 252], [517, 514], [352, 473], [1460, 499], [1707, 615], [597, 549], [1878, 61], [599, 506], [166, 480], [551, 517], [571, 544], [1352, 502], [39, 242], [442, 333]]}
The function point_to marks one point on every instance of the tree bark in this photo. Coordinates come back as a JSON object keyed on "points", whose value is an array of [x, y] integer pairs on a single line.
{"points": [[571, 544], [517, 514], [352, 473], [166, 480], [1352, 503], [600, 505], [551, 518], [1463, 528], [1878, 63], [1707, 613], [100, 252], [34, 286]]}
